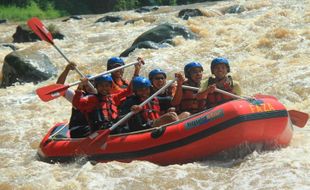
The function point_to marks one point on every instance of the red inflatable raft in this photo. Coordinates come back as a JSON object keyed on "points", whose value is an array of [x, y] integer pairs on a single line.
{"points": [[195, 138]]}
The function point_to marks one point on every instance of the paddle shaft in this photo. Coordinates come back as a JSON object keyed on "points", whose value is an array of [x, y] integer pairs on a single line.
{"points": [[65, 57], [75, 68], [41, 31], [216, 89], [104, 73], [142, 104]]}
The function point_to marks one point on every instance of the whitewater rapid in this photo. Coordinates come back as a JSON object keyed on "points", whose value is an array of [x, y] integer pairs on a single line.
{"points": [[268, 49]]}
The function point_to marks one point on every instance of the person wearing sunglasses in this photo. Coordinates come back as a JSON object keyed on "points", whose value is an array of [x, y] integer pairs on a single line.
{"points": [[158, 80], [166, 98], [146, 116]]}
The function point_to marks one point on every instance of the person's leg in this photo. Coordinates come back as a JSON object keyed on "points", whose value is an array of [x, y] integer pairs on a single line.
{"points": [[80, 131], [184, 115], [166, 118]]}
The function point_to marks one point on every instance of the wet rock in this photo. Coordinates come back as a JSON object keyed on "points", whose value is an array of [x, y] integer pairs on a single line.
{"points": [[145, 19], [159, 35], [109, 19], [146, 9], [132, 21], [146, 45], [12, 46], [2, 21], [25, 34], [235, 9], [73, 17], [26, 66], [185, 14]]}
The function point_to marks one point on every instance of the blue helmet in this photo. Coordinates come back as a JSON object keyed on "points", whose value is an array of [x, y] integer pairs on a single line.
{"points": [[220, 60], [189, 66], [156, 72], [140, 82], [114, 61], [103, 78]]}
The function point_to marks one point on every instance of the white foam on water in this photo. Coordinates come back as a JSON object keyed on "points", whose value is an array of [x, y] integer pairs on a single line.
{"points": [[268, 49]]}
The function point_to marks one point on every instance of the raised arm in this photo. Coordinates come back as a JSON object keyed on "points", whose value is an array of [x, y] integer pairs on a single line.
{"points": [[86, 103], [177, 98], [63, 76]]}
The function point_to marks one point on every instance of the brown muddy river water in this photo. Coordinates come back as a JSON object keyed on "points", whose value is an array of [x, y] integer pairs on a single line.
{"points": [[268, 48]]}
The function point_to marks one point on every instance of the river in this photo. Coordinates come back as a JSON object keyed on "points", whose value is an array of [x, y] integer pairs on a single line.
{"points": [[268, 49]]}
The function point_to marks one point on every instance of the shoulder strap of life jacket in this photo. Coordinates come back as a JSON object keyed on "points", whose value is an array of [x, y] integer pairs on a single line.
{"points": [[216, 98]]}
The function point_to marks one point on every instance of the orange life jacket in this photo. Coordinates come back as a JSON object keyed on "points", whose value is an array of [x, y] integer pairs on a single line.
{"points": [[120, 86], [189, 101], [216, 98]]}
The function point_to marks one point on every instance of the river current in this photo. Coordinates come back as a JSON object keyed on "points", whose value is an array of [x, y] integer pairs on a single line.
{"points": [[268, 49]]}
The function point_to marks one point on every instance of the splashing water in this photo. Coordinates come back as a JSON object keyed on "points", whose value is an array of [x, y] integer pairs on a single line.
{"points": [[268, 49]]}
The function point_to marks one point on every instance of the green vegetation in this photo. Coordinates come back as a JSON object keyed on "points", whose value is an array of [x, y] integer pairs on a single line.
{"points": [[25, 9], [18, 13]]}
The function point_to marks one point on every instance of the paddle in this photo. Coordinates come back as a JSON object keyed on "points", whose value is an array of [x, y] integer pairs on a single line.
{"points": [[101, 139], [53, 91], [298, 118], [40, 30], [216, 90]]}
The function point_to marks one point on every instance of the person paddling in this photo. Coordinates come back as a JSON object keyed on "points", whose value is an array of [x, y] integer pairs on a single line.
{"points": [[221, 80], [119, 84], [77, 120], [69, 92], [148, 115], [186, 100], [100, 109], [167, 97], [158, 80]]}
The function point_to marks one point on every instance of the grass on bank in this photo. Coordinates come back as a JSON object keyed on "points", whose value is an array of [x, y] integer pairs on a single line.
{"points": [[21, 14]]}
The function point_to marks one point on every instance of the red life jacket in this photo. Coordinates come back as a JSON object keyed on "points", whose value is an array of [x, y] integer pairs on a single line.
{"points": [[150, 111], [189, 101], [104, 113], [109, 109], [216, 98], [164, 99]]}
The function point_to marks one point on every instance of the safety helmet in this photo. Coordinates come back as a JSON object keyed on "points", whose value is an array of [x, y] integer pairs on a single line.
{"points": [[156, 72], [189, 66], [140, 82], [103, 78], [114, 61], [220, 60]]}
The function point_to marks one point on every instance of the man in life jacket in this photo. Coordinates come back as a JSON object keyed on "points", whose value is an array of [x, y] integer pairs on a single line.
{"points": [[119, 84], [219, 68], [77, 123], [158, 80], [186, 100], [100, 109], [147, 116]]}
